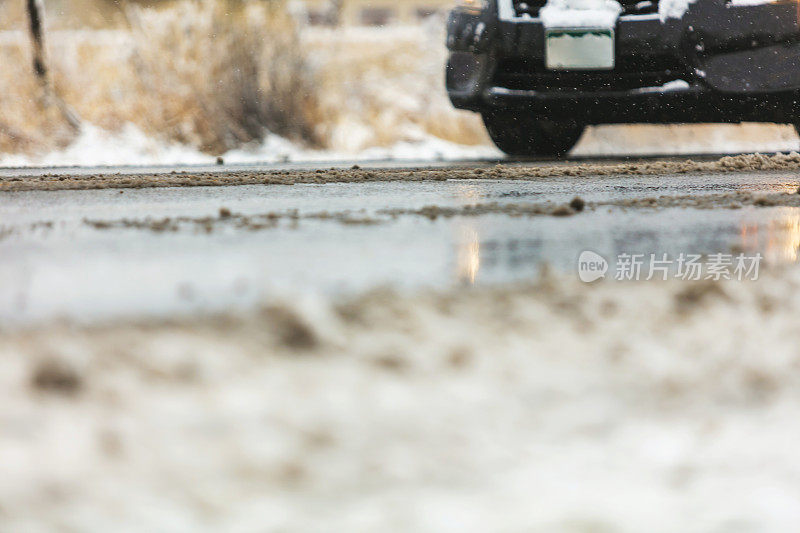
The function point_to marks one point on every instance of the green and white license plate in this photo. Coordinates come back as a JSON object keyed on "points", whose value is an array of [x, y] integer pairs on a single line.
{"points": [[579, 49]]}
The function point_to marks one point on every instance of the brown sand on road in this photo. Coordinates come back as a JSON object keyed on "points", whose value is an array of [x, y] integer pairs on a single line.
{"points": [[64, 181], [498, 408], [273, 219]]}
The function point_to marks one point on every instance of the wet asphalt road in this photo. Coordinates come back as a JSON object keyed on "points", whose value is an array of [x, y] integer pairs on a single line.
{"points": [[53, 264]]}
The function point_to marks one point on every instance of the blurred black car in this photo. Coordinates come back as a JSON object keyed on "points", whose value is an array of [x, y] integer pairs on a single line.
{"points": [[722, 61]]}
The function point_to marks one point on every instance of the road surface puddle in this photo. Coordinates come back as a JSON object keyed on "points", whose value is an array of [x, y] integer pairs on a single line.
{"points": [[96, 254]]}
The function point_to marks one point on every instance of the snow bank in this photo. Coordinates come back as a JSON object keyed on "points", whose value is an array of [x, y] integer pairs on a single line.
{"points": [[130, 146], [96, 147], [553, 407], [580, 13]]}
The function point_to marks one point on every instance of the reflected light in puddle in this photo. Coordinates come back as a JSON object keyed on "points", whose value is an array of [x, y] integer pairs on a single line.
{"points": [[784, 237], [469, 246], [469, 255], [781, 244], [470, 192]]}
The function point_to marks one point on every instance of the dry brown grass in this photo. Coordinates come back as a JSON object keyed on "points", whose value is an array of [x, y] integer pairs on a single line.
{"points": [[68, 14], [217, 75], [214, 74], [25, 124], [220, 74], [381, 86]]}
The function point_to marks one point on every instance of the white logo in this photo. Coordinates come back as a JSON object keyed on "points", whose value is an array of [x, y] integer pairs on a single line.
{"points": [[591, 266]]}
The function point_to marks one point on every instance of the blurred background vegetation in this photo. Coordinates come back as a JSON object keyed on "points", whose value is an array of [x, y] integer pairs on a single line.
{"points": [[224, 74]]}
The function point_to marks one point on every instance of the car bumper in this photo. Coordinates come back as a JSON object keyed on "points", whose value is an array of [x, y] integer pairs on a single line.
{"points": [[729, 56], [654, 105]]}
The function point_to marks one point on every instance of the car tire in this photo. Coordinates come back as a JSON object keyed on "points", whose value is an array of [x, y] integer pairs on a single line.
{"points": [[519, 135]]}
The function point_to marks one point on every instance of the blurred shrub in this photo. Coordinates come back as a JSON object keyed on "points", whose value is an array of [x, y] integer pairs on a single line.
{"points": [[219, 74]]}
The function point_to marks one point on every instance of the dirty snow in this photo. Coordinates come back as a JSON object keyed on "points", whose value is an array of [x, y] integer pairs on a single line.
{"points": [[533, 408], [95, 146], [130, 146], [580, 13]]}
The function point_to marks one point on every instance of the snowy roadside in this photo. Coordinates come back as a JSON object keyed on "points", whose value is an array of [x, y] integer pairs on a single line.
{"points": [[96, 147], [554, 406]]}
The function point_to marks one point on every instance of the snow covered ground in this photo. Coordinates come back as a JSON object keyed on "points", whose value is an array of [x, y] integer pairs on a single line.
{"points": [[95, 147], [130, 146], [557, 406]]}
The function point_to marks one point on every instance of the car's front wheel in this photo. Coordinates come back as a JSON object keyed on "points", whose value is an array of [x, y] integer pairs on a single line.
{"points": [[518, 134]]}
